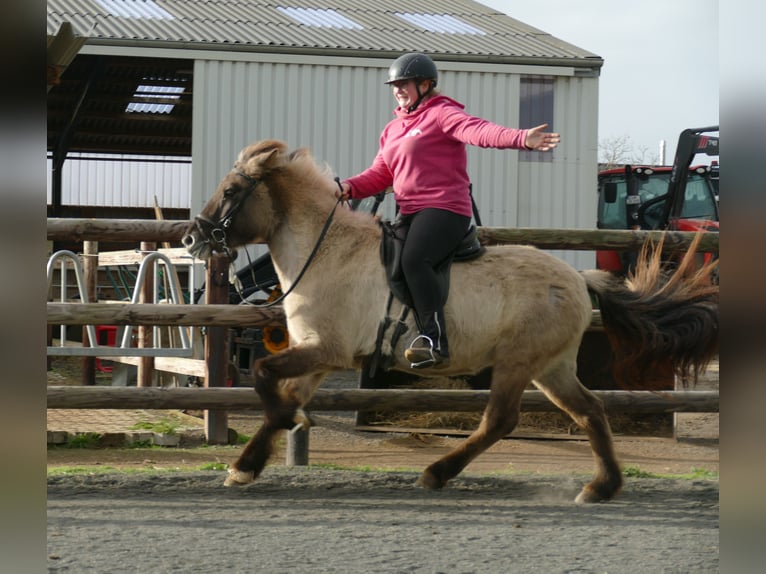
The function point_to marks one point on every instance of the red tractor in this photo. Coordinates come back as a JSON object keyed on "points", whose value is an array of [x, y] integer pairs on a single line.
{"points": [[680, 197]]}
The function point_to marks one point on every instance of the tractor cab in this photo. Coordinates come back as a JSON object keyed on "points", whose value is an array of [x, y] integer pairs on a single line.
{"points": [[680, 197]]}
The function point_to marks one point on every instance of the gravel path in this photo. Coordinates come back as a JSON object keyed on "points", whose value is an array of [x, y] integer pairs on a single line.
{"points": [[316, 520]]}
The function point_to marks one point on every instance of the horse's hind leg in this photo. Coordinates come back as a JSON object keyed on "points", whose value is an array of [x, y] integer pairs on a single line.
{"points": [[500, 417], [563, 388]]}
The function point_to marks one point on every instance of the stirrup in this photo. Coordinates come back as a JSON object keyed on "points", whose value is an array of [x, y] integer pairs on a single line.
{"points": [[421, 357]]}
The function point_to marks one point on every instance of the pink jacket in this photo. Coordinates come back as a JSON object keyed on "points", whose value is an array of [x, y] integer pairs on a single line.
{"points": [[423, 156]]}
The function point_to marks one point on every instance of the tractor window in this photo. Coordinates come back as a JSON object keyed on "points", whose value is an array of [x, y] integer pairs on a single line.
{"points": [[654, 186], [612, 215], [699, 202]]}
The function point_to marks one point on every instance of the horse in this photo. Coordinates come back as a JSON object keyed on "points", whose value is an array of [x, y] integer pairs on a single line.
{"points": [[516, 308]]}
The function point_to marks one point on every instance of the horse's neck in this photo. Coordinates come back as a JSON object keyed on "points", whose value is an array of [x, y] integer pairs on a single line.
{"points": [[293, 242]]}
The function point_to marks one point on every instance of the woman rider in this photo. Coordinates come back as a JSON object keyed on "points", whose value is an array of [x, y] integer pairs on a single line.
{"points": [[422, 154]]}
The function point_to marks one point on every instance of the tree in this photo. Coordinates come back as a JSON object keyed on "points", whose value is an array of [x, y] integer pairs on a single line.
{"points": [[619, 150]]}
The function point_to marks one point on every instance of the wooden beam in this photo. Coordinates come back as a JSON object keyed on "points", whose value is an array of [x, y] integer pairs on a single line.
{"points": [[219, 315], [78, 229], [70, 397], [594, 239], [116, 230]]}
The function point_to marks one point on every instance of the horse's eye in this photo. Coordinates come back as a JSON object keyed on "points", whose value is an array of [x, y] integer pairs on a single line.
{"points": [[229, 192]]}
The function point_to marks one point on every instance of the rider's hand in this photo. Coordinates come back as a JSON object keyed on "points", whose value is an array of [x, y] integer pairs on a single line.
{"points": [[343, 192], [539, 140]]}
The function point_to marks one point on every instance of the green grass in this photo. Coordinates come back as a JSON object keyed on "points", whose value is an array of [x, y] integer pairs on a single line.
{"points": [[78, 470], [163, 426], [105, 469], [362, 468], [84, 440], [693, 474], [214, 466]]}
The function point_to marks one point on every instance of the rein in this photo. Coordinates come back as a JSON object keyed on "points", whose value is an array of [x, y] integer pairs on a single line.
{"points": [[218, 234]]}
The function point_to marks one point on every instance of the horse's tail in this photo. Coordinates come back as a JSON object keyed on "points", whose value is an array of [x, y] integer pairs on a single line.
{"points": [[658, 315]]}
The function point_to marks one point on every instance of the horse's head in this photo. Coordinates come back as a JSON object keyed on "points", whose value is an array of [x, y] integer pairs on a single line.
{"points": [[242, 209]]}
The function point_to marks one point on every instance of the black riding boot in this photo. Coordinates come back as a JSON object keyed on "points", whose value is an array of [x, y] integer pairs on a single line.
{"points": [[430, 348]]}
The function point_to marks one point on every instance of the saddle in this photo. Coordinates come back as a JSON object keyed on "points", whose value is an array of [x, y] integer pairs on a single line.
{"points": [[391, 247], [391, 256]]}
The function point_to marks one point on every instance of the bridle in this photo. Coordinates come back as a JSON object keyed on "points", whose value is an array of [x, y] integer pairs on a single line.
{"points": [[217, 232], [218, 235]]}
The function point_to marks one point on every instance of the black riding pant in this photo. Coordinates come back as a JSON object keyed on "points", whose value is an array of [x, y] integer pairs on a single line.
{"points": [[432, 237]]}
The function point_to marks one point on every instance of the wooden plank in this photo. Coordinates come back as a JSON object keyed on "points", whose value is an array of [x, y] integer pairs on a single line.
{"points": [[119, 313], [593, 239], [177, 256], [177, 365], [115, 230], [216, 349], [112, 353], [134, 230], [90, 277], [225, 398]]}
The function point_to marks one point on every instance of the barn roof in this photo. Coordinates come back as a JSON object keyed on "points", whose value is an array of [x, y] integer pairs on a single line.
{"points": [[91, 103], [458, 28]]}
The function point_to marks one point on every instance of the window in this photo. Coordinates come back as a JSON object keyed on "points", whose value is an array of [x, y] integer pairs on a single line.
{"points": [[441, 23], [326, 18], [153, 93], [536, 107], [135, 9]]}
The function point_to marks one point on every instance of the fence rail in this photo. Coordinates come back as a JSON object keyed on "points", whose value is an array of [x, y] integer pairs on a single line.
{"points": [[132, 230], [67, 397]]}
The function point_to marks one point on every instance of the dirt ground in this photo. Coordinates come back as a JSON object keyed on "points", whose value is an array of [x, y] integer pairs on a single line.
{"points": [[355, 508]]}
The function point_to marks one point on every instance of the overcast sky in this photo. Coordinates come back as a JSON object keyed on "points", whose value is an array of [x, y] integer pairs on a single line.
{"points": [[660, 72]]}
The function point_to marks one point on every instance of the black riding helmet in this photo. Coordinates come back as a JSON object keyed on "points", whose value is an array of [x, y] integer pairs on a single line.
{"points": [[414, 66]]}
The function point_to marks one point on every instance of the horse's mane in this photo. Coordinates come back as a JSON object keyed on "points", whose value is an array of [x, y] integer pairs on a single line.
{"points": [[307, 184]]}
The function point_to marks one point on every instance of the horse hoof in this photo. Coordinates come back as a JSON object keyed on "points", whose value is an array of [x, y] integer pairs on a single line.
{"points": [[429, 481], [590, 496], [302, 420], [238, 477]]}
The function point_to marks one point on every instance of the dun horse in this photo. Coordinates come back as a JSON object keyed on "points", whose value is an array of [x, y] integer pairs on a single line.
{"points": [[515, 308]]}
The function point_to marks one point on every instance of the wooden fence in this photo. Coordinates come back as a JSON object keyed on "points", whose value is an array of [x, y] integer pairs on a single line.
{"points": [[218, 316]]}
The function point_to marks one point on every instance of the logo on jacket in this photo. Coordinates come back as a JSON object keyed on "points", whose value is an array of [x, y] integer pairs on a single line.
{"points": [[413, 133]]}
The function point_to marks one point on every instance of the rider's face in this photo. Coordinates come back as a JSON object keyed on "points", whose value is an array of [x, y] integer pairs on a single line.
{"points": [[405, 92]]}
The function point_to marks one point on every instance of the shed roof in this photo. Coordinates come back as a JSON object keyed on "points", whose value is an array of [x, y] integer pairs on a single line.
{"points": [[92, 105], [456, 28]]}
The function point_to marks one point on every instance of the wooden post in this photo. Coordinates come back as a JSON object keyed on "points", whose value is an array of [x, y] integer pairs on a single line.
{"points": [[90, 276], [145, 373], [216, 348]]}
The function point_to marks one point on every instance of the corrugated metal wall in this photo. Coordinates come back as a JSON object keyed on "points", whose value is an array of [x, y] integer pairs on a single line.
{"points": [[124, 181], [337, 107]]}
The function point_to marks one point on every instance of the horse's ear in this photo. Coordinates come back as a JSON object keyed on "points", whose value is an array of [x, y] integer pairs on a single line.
{"points": [[264, 158], [298, 153]]}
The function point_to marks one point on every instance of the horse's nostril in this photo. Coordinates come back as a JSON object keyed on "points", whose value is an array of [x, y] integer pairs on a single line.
{"points": [[187, 240]]}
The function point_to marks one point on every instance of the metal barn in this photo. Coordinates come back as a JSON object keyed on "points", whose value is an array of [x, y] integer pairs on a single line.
{"points": [[201, 80]]}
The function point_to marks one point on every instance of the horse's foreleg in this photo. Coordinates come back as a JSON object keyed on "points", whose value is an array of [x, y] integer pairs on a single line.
{"points": [[500, 418], [564, 389], [254, 456], [281, 404]]}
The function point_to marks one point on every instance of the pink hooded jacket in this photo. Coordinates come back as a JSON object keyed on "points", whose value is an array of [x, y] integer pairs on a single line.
{"points": [[422, 154]]}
